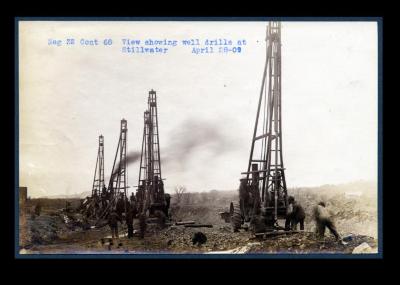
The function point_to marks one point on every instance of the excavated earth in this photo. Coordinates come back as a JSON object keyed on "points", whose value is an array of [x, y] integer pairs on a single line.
{"points": [[55, 231]]}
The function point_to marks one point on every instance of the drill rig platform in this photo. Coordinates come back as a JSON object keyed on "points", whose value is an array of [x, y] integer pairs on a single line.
{"points": [[263, 195], [114, 197], [150, 195]]}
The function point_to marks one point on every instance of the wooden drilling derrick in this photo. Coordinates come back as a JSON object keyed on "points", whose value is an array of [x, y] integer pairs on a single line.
{"points": [[150, 193], [90, 205], [98, 180], [263, 189], [118, 184], [118, 181]]}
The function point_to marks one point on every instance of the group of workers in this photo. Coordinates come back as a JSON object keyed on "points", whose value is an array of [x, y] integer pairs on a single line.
{"points": [[123, 209], [129, 210], [117, 209], [102, 207], [296, 215]]}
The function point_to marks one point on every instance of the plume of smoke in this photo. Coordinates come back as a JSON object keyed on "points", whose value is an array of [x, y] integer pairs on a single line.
{"points": [[131, 157], [192, 136], [186, 141]]}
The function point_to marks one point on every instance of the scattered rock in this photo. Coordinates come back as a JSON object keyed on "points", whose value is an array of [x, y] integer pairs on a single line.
{"points": [[363, 248], [199, 238]]}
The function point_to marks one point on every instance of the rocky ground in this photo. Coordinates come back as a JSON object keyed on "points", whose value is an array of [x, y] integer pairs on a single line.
{"points": [[55, 231], [178, 239], [51, 234]]}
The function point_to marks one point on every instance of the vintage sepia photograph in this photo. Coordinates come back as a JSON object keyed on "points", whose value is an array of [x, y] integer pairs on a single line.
{"points": [[211, 138]]}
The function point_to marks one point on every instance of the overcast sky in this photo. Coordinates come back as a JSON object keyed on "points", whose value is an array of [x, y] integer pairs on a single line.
{"points": [[70, 95]]}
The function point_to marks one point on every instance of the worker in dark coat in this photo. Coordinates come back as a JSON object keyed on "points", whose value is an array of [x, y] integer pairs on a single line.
{"points": [[324, 220], [298, 215], [113, 220], [120, 207], [142, 224], [129, 222], [289, 213], [167, 204], [134, 208]]}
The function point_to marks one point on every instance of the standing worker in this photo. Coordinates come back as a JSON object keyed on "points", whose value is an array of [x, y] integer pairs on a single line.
{"points": [[113, 219], [120, 207], [129, 222], [142, 224], [167, 204], [289, 214], [298, 214], [324, 219]]}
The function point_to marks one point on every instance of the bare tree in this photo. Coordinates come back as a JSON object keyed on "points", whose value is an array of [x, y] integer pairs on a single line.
{"points": [[180, 190], [187, 198]]}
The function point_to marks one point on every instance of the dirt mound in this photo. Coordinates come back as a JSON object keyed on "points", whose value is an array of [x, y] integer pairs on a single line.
{"points": [[42, 229], [50, 227]]}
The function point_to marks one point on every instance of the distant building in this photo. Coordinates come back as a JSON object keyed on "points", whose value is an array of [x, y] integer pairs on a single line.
{"points": [[23, 195]]}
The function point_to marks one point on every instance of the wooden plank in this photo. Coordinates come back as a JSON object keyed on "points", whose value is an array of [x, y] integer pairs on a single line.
{"points": [[275, 233], [199, 226], [184, 223]]}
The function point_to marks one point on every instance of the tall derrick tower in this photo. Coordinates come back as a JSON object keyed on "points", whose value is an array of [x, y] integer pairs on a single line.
{"points": [[150, 191], [116, 193], [98, 180], [118, 180], [263, 188]]}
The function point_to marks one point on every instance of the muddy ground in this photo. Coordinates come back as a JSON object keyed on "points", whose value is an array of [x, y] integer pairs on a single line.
{"points": [[55, 231]]}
